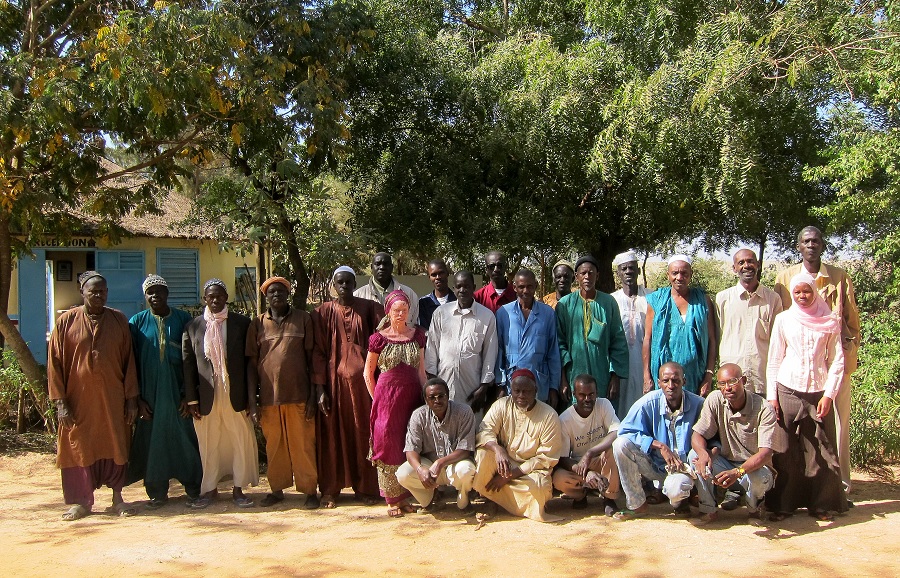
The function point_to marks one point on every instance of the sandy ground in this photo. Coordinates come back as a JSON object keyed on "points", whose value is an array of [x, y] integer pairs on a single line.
{"points": [[355, 539]]}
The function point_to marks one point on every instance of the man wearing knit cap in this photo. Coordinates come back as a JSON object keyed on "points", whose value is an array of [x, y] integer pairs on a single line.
{"points": [[591, 337], [563, 276], [279, 357], [165, 443], [93, 383], [632, 302], [518, 444]]}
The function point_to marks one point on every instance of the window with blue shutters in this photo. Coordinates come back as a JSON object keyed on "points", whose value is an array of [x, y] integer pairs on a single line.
{"points": [[181, 270]]}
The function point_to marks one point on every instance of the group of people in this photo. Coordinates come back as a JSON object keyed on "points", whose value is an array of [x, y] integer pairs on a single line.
{"points": [[581, 391]]}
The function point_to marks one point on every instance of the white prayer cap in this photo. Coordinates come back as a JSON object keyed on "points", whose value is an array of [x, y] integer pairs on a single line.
{"points": [[153, 280], [343, 269], [626, 257], [680, 257]]}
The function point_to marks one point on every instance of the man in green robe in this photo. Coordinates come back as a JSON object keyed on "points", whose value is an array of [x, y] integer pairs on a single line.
{"points": [[592, 340], [165, 443]]}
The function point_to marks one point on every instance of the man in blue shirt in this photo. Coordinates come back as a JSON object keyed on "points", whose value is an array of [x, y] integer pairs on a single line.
{"points": [[526, 333], [654, 440]]}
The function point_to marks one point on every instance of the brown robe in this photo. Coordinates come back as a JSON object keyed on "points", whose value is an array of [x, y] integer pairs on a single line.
{"points": [[92, 369], [339, 357]]}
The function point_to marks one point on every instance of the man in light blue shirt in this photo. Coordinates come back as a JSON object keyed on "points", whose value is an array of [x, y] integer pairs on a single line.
{"points": [[654, 440], [526, 334]]}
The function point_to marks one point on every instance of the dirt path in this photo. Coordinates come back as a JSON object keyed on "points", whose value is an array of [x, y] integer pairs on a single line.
{"points": [[354, 539]]}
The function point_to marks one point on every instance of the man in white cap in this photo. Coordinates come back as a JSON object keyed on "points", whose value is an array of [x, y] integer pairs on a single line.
{"points": [[632, 302], [680, 327]]}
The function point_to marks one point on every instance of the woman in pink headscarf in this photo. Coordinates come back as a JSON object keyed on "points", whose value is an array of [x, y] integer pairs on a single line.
{"points": [[804, 374], [398, 352]]}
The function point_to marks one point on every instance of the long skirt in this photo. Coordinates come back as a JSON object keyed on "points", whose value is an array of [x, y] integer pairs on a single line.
{"points": [[808, 473]]}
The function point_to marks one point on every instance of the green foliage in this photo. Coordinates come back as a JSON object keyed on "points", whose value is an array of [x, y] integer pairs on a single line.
{"points": [[709, 274], [875, 418], [12, 382]]}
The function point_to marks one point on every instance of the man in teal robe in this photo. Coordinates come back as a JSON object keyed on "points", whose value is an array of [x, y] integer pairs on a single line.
{"points": [[592, 340], [165, 443], [685, 340]]}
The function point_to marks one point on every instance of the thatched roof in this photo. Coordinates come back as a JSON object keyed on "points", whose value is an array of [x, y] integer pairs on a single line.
{"points": [[176, 207]]}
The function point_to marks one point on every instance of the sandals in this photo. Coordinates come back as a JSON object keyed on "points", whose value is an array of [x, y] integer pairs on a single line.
{"points": [[625, 515], [271, 500], [156, 503], [327, 502], [243, 502], [76, 512], [123, 509], [609, 507], [399, 510]]}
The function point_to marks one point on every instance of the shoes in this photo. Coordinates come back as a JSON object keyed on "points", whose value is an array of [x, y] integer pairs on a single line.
{"points": [[244, 502], [269, 500], [198, 503], [156, 503], [731, 502], [683, 509]]}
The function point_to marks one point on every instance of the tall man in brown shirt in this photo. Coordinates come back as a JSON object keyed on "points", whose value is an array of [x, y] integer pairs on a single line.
{"points": [[279, 350]]}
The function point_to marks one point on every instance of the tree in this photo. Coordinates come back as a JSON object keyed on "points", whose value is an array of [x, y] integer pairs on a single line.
{"points": [[584, 126], [74, 74]]}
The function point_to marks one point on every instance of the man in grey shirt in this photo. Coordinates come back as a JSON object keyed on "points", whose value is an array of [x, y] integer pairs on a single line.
{"points": [[439, 445], [462, 346]]}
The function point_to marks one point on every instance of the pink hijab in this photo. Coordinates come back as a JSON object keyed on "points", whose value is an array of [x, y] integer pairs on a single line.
{"points": [[816, 316]]}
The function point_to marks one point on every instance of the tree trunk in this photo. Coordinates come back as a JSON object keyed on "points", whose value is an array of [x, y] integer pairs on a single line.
{"points": [[12, 338], [604, 253], [298, 267], [20, 411], [261, 275]]}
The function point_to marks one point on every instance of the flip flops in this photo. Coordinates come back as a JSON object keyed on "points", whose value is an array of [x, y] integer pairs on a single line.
{"points": [[76, 512], [625, 515]]}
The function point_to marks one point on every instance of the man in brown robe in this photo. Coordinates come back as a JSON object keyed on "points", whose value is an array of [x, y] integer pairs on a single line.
{"points": [[93, 382], [343, 328]]}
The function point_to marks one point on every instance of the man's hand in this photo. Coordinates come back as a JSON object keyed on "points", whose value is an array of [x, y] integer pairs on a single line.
{"points": [[648, 384], [145, 412], [253, 412], [776, 407], [324, 400], [553, 399], [582, 467], [183, 409], [310, 412], [706, 385], [701, 465], [426, 477], [194, 408], [131, 410], [66, 421], [496, 483], [476, 399], [565, 390], [672, 460], [613, 391], [727, 478], [502, 460]]}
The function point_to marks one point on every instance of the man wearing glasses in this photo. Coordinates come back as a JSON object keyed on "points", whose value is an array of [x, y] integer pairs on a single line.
{"points": [[440, 440], [745, 423]]}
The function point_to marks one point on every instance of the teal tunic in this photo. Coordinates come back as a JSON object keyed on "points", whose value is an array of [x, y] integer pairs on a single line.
{"points": [[164, 447], [683, 341], [596, 346]]}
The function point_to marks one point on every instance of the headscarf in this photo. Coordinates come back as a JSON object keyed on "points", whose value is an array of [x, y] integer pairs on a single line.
{"points": [[153, 280], [817, 315], [392, 298], [87, 276], [626, 257], [680, 257], [271, 280]]}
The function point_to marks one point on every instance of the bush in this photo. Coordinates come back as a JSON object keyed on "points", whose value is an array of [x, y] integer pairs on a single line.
{"points": [[37, 409], [875, 417]]}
